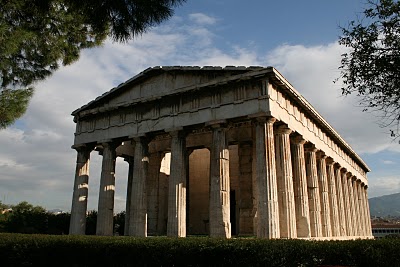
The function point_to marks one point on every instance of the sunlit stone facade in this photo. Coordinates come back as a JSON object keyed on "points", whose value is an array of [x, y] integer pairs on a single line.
{"points": [[231, 151]]}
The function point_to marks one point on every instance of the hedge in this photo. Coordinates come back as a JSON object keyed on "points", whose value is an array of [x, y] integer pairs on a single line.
{"points": [[43, 250]]}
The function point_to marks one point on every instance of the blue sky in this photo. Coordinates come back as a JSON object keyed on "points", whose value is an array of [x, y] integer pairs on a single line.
{"points": [[299, 38]]}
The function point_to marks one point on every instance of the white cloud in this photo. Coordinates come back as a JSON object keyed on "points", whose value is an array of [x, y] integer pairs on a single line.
{"points": [[388, 162], [202, 19], [38, 165], [384, 185], [312, 70]]}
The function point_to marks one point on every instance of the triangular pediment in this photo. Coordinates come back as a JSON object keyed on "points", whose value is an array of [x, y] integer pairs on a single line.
{"points": [[160, 81]]}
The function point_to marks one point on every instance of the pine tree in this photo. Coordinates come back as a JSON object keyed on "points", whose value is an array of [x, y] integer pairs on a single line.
{"points": [[38, 36]]}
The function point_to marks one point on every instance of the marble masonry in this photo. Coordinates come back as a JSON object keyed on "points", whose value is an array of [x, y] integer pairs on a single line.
{"points": [[233, 151]]}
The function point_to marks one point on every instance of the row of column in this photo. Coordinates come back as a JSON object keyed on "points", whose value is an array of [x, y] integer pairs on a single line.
{"points": [[309, 195], [300, 192], [136, 206]]}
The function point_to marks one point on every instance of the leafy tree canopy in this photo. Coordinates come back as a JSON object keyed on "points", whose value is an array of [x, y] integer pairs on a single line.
{"points": [[38, 36], [371, 68]]}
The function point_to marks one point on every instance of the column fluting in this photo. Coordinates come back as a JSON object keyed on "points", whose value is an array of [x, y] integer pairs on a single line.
{"points": [[220, 225], [81, 190], [313, 191], [340, 201], [267, 193], [300, 187], [323, 190], [138, 209], [105, 213], [128, 195], [176, 226], [333, 203], [347, 207]]}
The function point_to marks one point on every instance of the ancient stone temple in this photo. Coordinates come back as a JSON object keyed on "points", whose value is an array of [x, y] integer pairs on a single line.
{"points": [[223, 152]]}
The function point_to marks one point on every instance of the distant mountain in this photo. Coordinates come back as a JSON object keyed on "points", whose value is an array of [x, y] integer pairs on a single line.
{"points": [[383, 206]]}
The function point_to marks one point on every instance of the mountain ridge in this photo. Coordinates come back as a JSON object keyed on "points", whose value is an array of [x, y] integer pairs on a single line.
{"points": [[383, 206]]}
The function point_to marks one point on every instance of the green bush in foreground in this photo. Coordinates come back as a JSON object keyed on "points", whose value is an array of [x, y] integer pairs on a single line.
{"points": [[41, 250]]}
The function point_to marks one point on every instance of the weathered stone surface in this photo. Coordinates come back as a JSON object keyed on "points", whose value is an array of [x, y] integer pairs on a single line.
{"points": [[128, 195], [241, 177], [81, 190], [105, 214], [220, 225], [300, 187], [333, 203], [324, 195], [284, 176], [138, 209], [341, 202], [246, 189], [313, 192], [177, 186], [267, 189], [347, 207]]}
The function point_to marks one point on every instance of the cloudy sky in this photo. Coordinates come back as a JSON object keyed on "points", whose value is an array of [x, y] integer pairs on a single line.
{"points": [[299, 38]]}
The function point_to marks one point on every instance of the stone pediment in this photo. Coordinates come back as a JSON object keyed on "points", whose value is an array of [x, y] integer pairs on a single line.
{"points": [[159, 81]]}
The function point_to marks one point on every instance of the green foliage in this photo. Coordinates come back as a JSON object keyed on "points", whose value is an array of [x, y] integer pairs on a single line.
{"points": [[119, 223], [38, 36], [13, 104], [91, 221], [26, 218], [371, 68], [18, 250]]}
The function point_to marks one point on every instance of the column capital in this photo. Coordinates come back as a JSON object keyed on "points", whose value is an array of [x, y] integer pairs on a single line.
{"points": [[217, 124], [177, 132], [330, 161], [310, 148], [283, 129], [140, 138], [298, 140], [338, 167], [84, 147], [265, 119], [112, 144], [321, 155]]}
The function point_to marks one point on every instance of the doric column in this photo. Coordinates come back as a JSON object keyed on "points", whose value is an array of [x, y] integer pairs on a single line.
{"points": [[340, 202], [153, 191], [368, 215], [105, 214], [246, 215], [357, 216], [352, 205], [267, 193], [128, 195], [81, 188], [284, 177], [361, 210], [333, 203], [138, 209], [347, 206], [220, 225], [176, 226], [313, 192], [323, 189], [300, 187]]}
